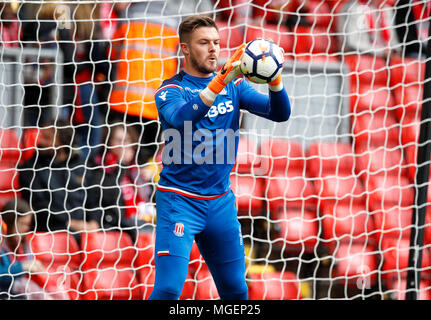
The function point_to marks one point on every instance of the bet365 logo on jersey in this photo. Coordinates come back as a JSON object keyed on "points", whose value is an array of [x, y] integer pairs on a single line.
{"points": [[221, 108]]}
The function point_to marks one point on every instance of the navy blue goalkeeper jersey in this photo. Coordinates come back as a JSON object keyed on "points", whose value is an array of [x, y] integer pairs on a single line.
{"points": [[201, 143]]}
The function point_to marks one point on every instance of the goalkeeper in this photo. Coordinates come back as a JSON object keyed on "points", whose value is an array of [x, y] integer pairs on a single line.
{"points": [[194, 200]]}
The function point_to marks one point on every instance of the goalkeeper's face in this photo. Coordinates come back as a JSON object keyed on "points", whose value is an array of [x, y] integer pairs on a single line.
{"points": [[203, 49]]}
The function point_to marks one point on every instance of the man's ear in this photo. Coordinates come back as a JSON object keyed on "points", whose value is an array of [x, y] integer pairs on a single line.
{"points": [[184, 48]]}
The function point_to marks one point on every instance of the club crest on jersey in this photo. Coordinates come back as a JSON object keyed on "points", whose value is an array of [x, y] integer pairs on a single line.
{"points": [[179, 229]]}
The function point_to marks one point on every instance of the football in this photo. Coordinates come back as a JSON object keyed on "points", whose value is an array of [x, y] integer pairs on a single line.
{"points": [[262, 61]]}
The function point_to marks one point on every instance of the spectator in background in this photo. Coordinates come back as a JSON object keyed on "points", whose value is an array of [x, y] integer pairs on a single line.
{"points": [[367, 28], [144, 51], [16, 261], [73, 30], [91, 68], [108, 13], [42, 31], [52, 182], [412, 26], [10, 33], [119, 188]]}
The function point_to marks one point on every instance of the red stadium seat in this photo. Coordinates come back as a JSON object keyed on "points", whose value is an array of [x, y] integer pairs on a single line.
{"points": [[290, 190], [189, 288], [398, 287], [405, 70], [407, 75], [197, 262], [205, 286], [287, 184], [145, 261], [356, 264], [106, 247], [274, 286], [366, 69], [410, 140], [376, 129], [342, 188], [319, 14], [396, 223], [60, 254], [370, 98], [108, 266], [29, 142], [249, 193], [388, 191], [110, 284], [411, 156], [147, 276], [329, 158], [9, 146], [55, 248], [312, 40], [248, 157], [282, 156], [297, 229], [393, 222], [396, 258], [410, 131], [231, 35], [408, 100], [368, 83], [146, 243], [9, 180], [281, 35], [373, 161], [346, 223]]}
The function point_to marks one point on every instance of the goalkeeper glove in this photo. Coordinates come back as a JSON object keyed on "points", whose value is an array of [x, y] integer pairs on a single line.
{"points": [[228, 72], [276, 84]]}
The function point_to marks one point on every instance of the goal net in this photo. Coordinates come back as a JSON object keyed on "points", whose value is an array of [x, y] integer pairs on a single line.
{"points": [[326, 200]]}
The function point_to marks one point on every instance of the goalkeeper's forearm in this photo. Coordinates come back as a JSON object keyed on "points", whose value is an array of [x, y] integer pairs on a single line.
{"points": [[279, 105], [275, 107]]}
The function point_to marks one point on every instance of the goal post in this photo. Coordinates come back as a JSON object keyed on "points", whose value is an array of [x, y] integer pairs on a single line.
{"points": [[333, 203], [421, 189]]}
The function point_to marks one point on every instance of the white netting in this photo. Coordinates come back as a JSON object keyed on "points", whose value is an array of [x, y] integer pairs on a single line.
{"points": [[325, 200]]}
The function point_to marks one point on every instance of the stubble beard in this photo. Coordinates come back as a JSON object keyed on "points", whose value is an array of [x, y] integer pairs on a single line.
{"points": [[201, 66]]}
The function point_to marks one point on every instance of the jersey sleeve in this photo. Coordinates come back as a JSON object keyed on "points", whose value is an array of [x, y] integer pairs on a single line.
{"points": [[275, 106], [174, 108]]}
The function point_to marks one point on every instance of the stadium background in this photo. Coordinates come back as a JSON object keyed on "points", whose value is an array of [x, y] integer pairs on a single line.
{"points": [[325, 200]]}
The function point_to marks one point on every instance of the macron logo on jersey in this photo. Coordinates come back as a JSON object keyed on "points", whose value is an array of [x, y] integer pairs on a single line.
{"points": [[163, 95]]}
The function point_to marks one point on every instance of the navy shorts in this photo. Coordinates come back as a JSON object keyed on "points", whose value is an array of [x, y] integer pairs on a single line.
{"points": [[213, 224]]}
